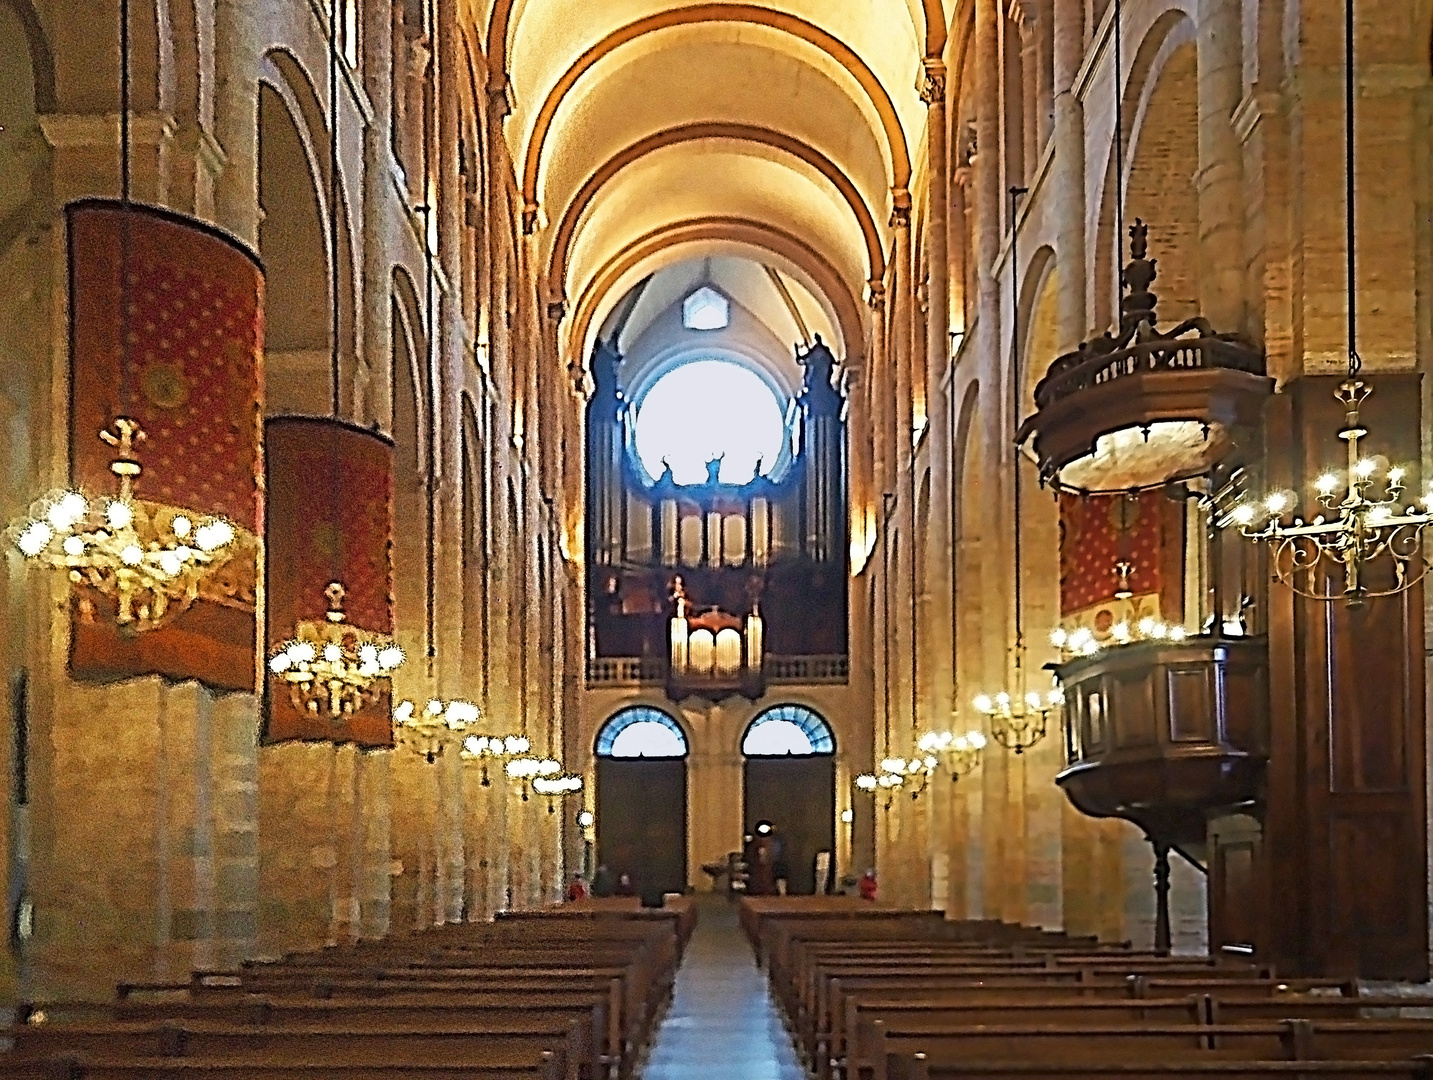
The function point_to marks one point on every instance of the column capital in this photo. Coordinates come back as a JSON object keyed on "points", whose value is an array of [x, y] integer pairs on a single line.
{"points": [[499, 95], [933, 74], [901, 209]]}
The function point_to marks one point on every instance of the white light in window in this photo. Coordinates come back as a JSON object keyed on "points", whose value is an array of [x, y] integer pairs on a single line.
{"points": [[741, 423], [775, 738], [706, 309], [647, 738]]}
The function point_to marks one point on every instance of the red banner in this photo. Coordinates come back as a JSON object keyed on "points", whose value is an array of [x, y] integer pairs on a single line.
{"points": [[1099, 532], [330, 518], [193, 379]]}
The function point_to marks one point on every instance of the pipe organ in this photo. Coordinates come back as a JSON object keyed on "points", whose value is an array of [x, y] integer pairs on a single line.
{"points": [[709, 579]]}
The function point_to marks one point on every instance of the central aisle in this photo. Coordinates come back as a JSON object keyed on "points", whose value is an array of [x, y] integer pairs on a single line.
{"points": [[723, 1024]]}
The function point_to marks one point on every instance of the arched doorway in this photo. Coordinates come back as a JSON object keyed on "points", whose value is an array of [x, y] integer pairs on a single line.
{"points": [[642, 799], [789, 779]]}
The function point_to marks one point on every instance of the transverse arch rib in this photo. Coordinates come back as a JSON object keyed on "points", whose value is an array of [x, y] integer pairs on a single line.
{"points": [[562, 243], [900, 164]]}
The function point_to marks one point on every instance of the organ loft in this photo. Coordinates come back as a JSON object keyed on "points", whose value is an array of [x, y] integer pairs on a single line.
{"points": [[542, 539]]}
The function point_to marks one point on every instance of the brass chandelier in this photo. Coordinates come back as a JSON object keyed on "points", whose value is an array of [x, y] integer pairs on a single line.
{"points": [[1326, 558], [435, 728], [151, 559], [1364, 523], [958, 755], [333, 666], [487, 749]]}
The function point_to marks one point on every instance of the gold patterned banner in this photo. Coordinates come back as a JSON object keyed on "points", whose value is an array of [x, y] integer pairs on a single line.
{"points": [[330, 518]]}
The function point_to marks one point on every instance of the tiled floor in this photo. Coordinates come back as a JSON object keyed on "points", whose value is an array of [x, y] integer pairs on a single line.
{"points": [[722, 1024]]}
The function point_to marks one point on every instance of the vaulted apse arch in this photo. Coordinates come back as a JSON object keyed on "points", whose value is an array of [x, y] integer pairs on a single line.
{"points": [[900, 163], [671, 243], [562, 243]]}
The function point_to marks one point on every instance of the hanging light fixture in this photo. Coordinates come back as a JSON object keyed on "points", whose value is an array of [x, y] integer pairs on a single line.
{"points": [[898, 774], [529, 771], [1018, 717], [149, 557], [333, 666], [1365, 520], [486, 749], [436, 727], [958, 754]]}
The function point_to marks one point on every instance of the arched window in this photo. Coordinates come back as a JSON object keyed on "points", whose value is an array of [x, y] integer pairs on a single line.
{"points": [[641, 732], [788, 731]]}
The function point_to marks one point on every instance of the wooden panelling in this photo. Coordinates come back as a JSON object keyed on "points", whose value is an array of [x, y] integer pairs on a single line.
{"points": [[1346, 831]]}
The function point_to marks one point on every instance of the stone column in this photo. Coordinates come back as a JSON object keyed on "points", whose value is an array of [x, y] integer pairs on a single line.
{"points": [[1044, 72], [375, 795], [882, 403], [236, 116], [1029, 90], [1067, 178], [1220, 179], [415, 108], [938, 582], [372, 392]]}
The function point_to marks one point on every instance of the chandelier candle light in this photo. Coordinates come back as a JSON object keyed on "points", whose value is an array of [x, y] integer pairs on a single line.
{"points": [[334, 666], [959, 754], [543, 775], [431, 731], [1082, 641], [149, 557], [1019, 718], [487, 748], [1362, 526]]}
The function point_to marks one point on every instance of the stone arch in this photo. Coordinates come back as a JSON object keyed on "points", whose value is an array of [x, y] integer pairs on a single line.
{"points": [[968, 474], [667, 245], [933, 33], [557, 270], [630, 717], [810, 723], [410, 468], [1039, 511], [899, 156], [1033, 351], [42, 60], [290, 111], [1157, 125], [409, 328]]}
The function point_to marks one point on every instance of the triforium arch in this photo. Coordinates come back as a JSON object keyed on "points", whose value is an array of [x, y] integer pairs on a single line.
{"points": [[558, 267], [1169, 37]]}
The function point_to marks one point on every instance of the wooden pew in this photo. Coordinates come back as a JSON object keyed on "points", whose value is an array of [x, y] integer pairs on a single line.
{"points": [[560, 996], [878, 1044]]}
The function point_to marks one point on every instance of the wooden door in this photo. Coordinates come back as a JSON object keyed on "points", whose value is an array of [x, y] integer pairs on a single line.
{"points": [[642, 821], [798, 796]]}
